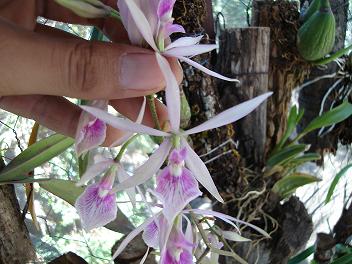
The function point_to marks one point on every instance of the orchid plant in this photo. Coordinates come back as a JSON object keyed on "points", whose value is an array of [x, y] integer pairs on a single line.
{"points": [[149, 24]]}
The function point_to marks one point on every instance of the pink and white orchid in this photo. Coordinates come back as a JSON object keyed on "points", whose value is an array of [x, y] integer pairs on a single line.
{"points": [[178, 137], [151, 23], [96, 206], [91, 131]]}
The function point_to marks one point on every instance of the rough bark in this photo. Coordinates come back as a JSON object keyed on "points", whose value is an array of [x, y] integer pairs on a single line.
{"points": [[310, 97], [15, 244], [287, 70], [244, 54]]}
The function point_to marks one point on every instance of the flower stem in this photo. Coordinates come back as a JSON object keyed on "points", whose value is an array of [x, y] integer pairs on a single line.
{"points": [[124, 147], [115, 14], [152, 107]]}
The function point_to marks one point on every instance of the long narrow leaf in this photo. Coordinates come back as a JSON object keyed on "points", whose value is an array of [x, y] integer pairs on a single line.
{"points": [[287, 185], [34, 156], [334, 116], [286, 154], [346, 259], [301, 256], [335, 181]]}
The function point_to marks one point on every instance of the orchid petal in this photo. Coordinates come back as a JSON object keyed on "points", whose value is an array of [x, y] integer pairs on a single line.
{"points": [[151, 235], [148, 169], [205, 70], [122, 176], [230, 115], [171, 28], [95, 170], [145, 256], [122, 123], [172, 93], [184, 42], [226, 218], [200, 171], [165, 8], [132, 235], [127, 135], [142, 23], [95, 211], [190, 51], [176, 192], [91, 132]]}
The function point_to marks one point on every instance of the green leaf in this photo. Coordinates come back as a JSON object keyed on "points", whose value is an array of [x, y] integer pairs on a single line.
{"points": [[287, 185], [25, 180], [305, 158], [334, 116], [64, 189], [69, 192], [301, 256], [34, 156], [286, 154], [335, 181], [347, 259]]}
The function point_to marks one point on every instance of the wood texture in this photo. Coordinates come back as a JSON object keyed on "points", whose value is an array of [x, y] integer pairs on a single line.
{"points": [[244, 54], [15, 244]]}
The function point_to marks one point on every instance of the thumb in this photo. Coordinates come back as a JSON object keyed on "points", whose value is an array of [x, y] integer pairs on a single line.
{"points": [[33, 63]]}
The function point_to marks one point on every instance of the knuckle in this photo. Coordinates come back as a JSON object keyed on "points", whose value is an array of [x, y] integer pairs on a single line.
{"points": [[81, 71]]}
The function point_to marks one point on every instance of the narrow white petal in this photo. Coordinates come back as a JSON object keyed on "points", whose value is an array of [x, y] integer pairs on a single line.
{"points": [[132, 235], [141, 112], [121, 140], [184, 42], [230, 115], [189, 51], [127, 135], [95, 170], [148, 169], [122, 123], [122, 176], [141, 23], [200, 171], [207, 71], [172, 93], [145, 256], [226, 218]]}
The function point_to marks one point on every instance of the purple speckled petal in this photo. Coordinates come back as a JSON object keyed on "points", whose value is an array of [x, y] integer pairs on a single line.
{"points": [[165, 9], [91, 132], [151, 235], [176, 192], [94, 210]]}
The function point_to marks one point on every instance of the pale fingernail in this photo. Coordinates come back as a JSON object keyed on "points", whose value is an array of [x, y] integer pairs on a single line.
{"points": [[140, 72]]}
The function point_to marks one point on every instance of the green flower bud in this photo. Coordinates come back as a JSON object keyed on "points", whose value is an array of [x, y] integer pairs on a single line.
{"points": [[86, 8]]}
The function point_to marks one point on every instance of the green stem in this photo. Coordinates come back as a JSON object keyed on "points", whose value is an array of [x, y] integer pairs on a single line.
{"points": [[115, 14], [124, 147], [152, 107], [334, 56]]}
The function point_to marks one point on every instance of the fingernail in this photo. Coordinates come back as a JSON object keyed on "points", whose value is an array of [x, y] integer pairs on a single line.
{"points": [[140, 72]]}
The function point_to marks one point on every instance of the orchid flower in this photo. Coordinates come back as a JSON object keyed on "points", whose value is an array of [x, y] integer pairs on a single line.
{"points": [[174, 243], [91, 131], [151, 22], [176, 139], [176, 185], [96, 206]]}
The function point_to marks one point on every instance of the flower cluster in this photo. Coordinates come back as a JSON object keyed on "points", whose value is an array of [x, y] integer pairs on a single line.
{"points": [[149, 24]]}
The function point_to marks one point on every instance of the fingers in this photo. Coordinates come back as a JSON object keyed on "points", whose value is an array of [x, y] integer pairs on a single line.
{"points": [[35, 64], [60, 115]]}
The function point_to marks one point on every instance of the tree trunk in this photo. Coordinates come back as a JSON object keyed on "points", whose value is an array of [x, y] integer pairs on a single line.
{"points": [[15, 244], [244, 54], [287, 70]]}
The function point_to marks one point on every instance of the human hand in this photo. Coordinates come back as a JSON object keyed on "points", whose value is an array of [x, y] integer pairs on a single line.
{"points": [[39, 65]]}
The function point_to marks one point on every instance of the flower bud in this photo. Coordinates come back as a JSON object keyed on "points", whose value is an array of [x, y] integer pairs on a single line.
{"points": [[86, 8]]}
